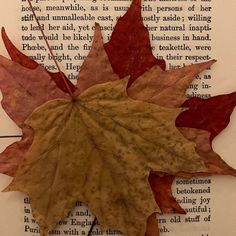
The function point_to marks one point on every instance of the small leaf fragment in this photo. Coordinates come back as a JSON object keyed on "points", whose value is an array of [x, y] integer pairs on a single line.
{"points": [[166, 88], [211, 114], [161, 186], [96, 68], [11, 157], [152, 226], [129, 48], [25, 61], [23, 89]]}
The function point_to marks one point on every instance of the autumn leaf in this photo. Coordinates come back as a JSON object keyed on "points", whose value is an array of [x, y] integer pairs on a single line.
{"points": [[118, 142], [179, 76], [24, 86], [187, 119], [131, 38], [152, 226], [23, 90], [25, 61], [161, 186], [96, 68], [129, 48]]}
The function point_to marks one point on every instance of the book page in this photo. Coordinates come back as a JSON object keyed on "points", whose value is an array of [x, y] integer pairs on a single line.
{"points": [[181, 32]]}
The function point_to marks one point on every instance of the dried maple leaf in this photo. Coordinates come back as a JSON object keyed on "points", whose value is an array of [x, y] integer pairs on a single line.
{"points": [[129, 48], [187, 119], [118, 142], [11, 157], [21, 96]]}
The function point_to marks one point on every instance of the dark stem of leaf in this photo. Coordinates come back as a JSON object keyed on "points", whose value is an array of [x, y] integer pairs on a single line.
{"points": [[11, 136], [92, 226], [50, 50]]}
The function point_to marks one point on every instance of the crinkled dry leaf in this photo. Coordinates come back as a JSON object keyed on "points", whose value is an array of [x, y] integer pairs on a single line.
{"points": [[118, 142]]}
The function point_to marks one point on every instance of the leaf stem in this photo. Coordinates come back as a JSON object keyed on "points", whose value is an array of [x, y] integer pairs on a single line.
{"points": [[50, 50], [10, 136], [92, 226]]}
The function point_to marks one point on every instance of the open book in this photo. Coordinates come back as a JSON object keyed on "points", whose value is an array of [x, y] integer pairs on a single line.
{"points": [[181, 32]]}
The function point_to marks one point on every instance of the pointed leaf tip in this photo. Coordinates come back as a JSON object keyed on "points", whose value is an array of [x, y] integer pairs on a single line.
{"points": [[166, 88], [17, 56], [136, 4], [97, 24], [97, 33], [2, 30]]}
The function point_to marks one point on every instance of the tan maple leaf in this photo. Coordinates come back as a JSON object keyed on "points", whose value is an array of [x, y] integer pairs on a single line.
{"points": [[99, 149]]}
